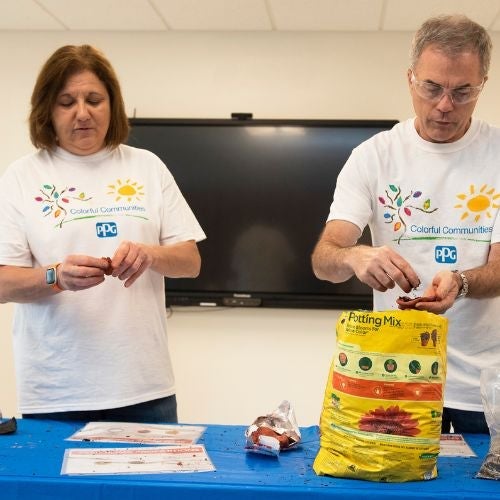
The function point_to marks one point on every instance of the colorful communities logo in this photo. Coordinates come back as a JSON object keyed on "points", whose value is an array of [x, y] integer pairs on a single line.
{"points": [[55, 202], [399, 208]]}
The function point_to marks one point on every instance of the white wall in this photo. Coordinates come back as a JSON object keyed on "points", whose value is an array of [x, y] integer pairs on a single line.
{"points": [[231, 364]]}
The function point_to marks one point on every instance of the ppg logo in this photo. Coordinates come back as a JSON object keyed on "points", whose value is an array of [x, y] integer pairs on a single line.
{"points": [[445, 255], [106, 229]]}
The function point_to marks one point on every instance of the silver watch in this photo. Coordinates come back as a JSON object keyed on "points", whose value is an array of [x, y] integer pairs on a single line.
{"points": [[464, 289]]}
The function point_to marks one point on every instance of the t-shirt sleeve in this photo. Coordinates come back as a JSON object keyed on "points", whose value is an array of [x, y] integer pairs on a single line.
{"points": [[351, 199], [495, 234], [178, 220], [14, 246]]}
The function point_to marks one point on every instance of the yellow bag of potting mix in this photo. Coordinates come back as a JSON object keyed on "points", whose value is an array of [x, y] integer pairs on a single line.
{"points": [[381, 417]]}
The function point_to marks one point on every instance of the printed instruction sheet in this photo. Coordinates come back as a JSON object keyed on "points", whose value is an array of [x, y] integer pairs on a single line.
{"points": [[126, 432], [140, 460]]}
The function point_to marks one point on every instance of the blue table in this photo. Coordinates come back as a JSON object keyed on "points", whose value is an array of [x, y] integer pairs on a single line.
{"points": [[31, 459]]}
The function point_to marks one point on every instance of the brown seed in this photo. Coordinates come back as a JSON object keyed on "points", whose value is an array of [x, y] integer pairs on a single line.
{"points": [[109, 268], [409, 303]]}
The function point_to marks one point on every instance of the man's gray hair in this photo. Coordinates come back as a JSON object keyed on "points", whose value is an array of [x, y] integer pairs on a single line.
{"points": [[453, 34]]}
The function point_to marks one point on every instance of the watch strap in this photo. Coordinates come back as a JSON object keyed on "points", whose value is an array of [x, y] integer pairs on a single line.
{"points": [[55, 284], [464, 289]]}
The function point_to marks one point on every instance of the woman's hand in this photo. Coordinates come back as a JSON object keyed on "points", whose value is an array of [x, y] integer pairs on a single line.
{"points": [[79, 272], [130, 261]]}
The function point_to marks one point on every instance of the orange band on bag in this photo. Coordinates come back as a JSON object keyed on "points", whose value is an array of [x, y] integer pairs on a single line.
{"points": [[387, 390]]}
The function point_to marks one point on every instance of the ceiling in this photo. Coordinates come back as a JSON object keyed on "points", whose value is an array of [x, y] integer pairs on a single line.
{"points": [[237, 15]]}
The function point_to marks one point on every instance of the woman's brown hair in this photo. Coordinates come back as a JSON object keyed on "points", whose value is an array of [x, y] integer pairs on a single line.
{"points": [[62, 64]]}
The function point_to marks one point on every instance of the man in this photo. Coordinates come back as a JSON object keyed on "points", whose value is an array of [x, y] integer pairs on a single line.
{"points": [[429, 190]]}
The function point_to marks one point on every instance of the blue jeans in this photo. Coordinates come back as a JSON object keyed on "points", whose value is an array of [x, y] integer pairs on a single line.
{"points": [[463, 422], [158, 411]]}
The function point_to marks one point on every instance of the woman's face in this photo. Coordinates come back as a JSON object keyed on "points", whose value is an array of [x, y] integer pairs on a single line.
{"points": [[81, 114]]}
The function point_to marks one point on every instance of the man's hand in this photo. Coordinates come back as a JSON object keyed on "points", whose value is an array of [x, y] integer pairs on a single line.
{"points": [[443, 291], [382, 268]]}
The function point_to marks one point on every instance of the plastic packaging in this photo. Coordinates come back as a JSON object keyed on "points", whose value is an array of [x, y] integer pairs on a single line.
{"points": [[274, 432], [382, 409], [490, 394], [8, 426]]}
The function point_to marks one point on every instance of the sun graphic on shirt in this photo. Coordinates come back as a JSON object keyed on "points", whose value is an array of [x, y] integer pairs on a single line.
{"points": [[128, 190], [478, 202]]}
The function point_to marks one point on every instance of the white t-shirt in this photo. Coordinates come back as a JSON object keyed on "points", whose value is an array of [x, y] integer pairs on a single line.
{"points": [[105, 347], [437, 205]]}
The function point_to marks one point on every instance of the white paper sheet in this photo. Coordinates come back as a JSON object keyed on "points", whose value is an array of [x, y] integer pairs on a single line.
{"points": [[126, 432], [141, 460], [454, 445]]}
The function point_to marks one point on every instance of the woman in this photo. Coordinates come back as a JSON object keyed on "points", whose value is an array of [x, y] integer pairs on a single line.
{"points": [[90, 228]]}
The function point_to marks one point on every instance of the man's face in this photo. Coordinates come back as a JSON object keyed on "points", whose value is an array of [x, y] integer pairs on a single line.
{"points": [[444, 120]]}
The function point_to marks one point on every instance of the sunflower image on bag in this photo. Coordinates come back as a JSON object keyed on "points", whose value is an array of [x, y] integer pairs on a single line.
{"points": [[381, 416]]}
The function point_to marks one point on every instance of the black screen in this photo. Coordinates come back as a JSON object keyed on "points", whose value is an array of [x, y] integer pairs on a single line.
{"points": [[261, 190]]}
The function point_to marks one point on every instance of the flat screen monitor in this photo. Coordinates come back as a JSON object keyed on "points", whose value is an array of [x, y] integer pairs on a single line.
{"points": [[261, 190]]}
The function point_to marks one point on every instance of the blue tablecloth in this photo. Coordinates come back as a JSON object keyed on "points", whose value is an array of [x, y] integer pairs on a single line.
{"points": [[31, 459]]}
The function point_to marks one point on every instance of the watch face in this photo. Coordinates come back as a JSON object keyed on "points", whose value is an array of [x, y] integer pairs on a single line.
{"points": [[50, 276]]}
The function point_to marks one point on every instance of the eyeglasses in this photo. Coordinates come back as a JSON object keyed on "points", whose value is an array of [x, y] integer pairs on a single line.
{"points": [[434, 92]]}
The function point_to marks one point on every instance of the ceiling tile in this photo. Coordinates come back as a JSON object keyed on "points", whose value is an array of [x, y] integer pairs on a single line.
{"points": [[26, 15], [109, 15], [326, 15], [237, 15], [408, 15], [214, 15]]}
